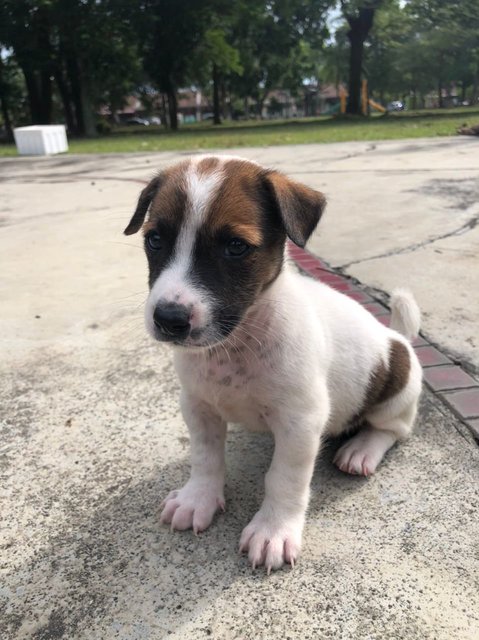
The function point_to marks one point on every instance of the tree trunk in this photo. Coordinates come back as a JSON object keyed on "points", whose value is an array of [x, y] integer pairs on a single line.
{"points": [[164, 112], [439, 81], [66, 100], [73, 73], [259, 108], [439, 92], [4, 105], [41, 19], [261, 100], [216, 96], [34, 101], [475, 89], [355, 67], [46, 97], [39, 89], [360, 26], [45, 84], [172, 108], [222, 99], [475, 83], [84, 109], [88, 111], [6, 118]]}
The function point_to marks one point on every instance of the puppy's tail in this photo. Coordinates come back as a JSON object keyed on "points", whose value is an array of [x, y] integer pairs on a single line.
{"points": [[406, 316]]}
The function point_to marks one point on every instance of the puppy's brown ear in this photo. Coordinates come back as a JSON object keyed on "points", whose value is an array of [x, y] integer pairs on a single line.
{"points": [[300, 207], [144, 201]]}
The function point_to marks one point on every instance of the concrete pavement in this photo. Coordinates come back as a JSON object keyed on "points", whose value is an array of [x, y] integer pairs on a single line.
{"points": [[92, 438]]}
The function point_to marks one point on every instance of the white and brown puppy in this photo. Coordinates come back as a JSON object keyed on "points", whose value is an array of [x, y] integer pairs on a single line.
{"points": [[258, 344]]}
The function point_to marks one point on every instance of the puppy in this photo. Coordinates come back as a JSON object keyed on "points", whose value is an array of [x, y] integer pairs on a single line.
{"points": [[256, 343]]}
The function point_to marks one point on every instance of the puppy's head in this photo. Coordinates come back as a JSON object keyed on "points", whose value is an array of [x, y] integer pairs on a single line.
{"points": [[214, 239]]}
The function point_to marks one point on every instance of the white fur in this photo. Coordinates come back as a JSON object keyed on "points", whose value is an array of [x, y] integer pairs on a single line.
{"points": [[406, 316], [298, 365], [320, 348]]}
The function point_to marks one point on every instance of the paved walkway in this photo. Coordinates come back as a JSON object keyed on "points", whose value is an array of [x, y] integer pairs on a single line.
{"points": [[92, 438]]}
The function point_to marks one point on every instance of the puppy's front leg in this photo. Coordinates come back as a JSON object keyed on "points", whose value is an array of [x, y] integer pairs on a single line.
{"points": [[195, 505], [273, 536]]}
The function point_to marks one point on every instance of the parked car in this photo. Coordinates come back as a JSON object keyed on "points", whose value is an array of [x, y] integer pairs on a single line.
{"points": [[155, 120], [138, 121], [396, 105]]}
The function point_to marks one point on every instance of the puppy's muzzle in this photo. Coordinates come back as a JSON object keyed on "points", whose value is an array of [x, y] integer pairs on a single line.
{"points": [[172, 321]]}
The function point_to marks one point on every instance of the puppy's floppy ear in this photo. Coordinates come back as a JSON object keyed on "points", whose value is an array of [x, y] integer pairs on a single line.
{"points": [[299, 206], [144, 201]]}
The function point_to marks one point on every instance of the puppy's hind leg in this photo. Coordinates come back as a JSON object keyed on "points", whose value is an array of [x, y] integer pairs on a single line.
{"points": [[391, 418], [362, 453]]}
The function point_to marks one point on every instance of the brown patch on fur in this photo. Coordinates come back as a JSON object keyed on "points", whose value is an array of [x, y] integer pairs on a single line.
{"points": [[249, 233], [236, 206], [169, 202], [164, 196], [239, 207], [300, 206], [208, 165], [387, 381], [144, 201]]}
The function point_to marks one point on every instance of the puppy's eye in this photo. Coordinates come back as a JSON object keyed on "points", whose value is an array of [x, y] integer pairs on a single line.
{"points": [[153, 241], [235, 248]]}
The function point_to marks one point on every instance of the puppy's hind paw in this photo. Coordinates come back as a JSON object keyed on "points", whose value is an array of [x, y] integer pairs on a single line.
{"points": [[362, 454]]}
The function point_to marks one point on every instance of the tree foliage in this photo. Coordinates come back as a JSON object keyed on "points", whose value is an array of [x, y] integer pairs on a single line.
{"points": [[66, 59], [82, 47], [414, 49]]}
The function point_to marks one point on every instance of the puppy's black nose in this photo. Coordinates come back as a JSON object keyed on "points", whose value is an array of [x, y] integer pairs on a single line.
{"points": [[173, 320]]}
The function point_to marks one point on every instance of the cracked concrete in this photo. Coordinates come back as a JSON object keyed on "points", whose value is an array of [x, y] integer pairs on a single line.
{"points": [[467, 226], [92, 438]]}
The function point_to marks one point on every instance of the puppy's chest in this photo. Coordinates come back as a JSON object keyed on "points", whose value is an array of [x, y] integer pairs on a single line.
{"points": [[238, 385]]}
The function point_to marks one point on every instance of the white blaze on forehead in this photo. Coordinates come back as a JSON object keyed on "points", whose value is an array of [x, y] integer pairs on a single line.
{"points": [[200, 190], [173, 284]]}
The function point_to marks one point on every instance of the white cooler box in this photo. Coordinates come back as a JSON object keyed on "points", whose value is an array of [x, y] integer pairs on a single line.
{"points": [[41, 139]]}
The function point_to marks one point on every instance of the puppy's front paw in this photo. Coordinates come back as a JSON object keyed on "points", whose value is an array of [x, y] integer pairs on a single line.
{"points": [[193, 506], [272, 541]]}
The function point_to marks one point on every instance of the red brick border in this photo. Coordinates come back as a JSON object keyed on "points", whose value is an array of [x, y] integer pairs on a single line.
{"points": [[445, 378]]}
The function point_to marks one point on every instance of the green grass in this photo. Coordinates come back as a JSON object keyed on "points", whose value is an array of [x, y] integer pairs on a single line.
{"points": [[413, 124]]}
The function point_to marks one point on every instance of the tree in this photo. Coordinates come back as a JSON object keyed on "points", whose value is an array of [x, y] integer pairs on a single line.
{"points": [[221, 58], [170, 38], [85, 47], [335, 58], [25, 28], [7, 90], [97, 62], [387, 51], [360, 17], [449, 33], [271, 37]]}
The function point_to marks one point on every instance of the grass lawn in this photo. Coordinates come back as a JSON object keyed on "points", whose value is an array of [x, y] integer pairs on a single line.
{"points": [[413, 124]]}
